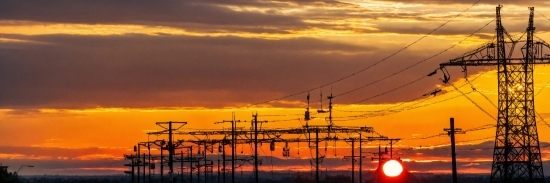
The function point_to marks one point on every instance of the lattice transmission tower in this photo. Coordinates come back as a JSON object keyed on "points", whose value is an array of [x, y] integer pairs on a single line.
{"points": [[516, 156]]}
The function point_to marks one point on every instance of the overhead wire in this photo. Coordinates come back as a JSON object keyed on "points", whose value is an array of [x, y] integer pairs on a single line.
{"points": [[473, 102], [374, 64], [479, 128], [406, 108], [409, 67], [415, 99], [364, 116], [484, 96]]}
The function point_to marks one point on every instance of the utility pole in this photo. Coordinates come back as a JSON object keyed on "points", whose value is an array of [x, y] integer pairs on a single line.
{"points": [[170, 130], [144, 164], [205, 165], [181, 165], [191, 164], [170, 153], [223, 158], [256, 161], [380, 158], [360, 158], [233, 122], [451, 132], [149, 151], [317, 155], [161, 164], [233, 147], [131, 157], [256, 148], [352, 160], [138, 162]]}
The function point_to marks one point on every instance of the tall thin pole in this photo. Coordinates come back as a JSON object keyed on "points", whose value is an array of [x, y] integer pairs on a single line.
{"points": [[170, 152], [233, 146], [391, 149], [199, 167], [352, 160], [360, 159], [161, 165], [379, 155], [143, 167], [149, 149], [181, 165], [138, 164], [256, 148], [205, 169], [452, 132], [316, 155], [223, 160], [191, 164], [453, 149]]}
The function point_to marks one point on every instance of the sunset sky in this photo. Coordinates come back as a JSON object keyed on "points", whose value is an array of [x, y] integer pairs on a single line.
{"points": [[83, 81]]}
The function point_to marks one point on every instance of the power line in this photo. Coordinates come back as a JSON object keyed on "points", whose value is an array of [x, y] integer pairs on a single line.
{"points": [[363, 116], [414, 99], [406, 108], [484, 96], [386, 92], [374, 64], [473, 102], [409, 67], [479, 128]]}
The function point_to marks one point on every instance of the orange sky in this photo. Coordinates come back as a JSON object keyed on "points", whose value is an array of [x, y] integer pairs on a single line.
{"points": [[87, 89]]}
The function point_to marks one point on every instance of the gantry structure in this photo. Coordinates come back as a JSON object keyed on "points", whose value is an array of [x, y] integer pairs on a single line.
{"points": [[206, 141]]}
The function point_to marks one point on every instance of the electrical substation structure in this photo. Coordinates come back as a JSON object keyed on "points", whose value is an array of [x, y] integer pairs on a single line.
{"points": [[517, 155], [205, 142]]}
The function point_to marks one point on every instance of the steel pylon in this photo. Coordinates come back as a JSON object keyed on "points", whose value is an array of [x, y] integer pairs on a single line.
{"points": [[516, 155]]}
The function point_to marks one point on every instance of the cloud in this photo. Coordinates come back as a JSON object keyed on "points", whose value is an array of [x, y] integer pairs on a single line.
{"points": [[167, 71], [168, 13], [491, 2], [254, 16]]}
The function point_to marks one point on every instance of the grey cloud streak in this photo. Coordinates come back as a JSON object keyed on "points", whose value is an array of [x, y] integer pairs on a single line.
{"points": [[172, 71], [165, 13], [215, 16], [492, 2]]}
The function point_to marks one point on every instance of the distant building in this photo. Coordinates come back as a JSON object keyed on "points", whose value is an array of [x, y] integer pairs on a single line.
{"points": [[3, 168]]}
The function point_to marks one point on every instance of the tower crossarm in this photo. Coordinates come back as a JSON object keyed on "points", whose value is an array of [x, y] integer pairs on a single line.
{"points": [[483, 55]]}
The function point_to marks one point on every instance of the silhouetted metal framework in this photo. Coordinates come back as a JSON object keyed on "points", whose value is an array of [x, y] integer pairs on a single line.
{"points": [[516, 156], [308, 134], [206, 140]]}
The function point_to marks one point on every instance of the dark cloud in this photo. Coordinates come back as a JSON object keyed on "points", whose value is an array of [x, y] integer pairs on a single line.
{"points": [[216, 16], [492, 2], [166, 13], [168, 71]]}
